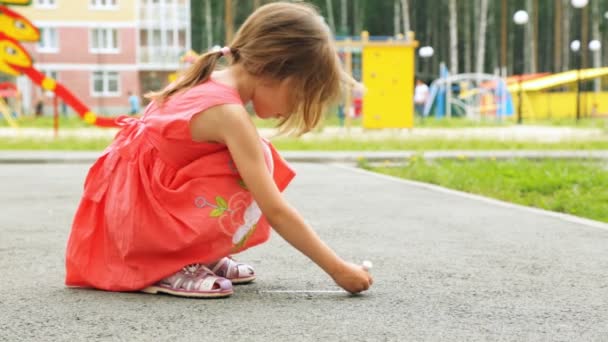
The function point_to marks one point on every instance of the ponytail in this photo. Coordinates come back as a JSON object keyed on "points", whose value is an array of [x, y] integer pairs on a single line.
{"points": [[199, 72]]}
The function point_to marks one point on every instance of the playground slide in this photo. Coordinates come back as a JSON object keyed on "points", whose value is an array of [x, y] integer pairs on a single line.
{"points": [[68, 97], [14, 60], [556, 80], [15, 2]]}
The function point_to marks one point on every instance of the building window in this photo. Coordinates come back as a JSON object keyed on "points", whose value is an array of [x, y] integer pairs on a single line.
{"points": [[45, 4], [104, 40], [106, 83], [49, 40], [51, 73], [103, 4]]}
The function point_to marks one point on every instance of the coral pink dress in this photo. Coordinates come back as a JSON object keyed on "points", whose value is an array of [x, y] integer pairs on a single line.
{"points": [[156, 201]]}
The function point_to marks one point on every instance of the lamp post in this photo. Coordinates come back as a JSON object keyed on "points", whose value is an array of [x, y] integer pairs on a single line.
{"points": [[575, 46], [520, 18], [594, 46], [425, 53]]}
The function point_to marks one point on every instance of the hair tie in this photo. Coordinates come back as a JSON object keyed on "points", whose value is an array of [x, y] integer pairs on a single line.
{"points": [[225, 51]]}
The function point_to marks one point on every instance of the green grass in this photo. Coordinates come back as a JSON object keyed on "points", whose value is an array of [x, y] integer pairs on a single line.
{"points": [[328, 121], [332, 120], [47, 122], [333, 144], [62, 143], [350, 144], [601, 123], [575, 187]]}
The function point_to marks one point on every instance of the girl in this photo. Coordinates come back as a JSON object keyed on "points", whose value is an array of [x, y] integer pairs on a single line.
{"points": [[191, 182]]}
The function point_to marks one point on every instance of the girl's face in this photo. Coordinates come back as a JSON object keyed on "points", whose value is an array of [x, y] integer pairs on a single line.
{"points": [[272, 99]]}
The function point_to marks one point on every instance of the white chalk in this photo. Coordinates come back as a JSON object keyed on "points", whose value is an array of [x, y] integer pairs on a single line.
{"points": [[367, 265], [304, 291]]}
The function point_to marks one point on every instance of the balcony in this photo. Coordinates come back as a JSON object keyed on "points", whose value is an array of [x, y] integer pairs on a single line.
{"points": [[161, 15], [160, 58]]}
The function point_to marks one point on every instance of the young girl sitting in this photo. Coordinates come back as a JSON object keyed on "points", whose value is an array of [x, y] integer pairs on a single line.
{"points": [[191, 182]]}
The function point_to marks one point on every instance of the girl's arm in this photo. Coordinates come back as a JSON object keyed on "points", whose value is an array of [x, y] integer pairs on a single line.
{"points": [[232, 126]]}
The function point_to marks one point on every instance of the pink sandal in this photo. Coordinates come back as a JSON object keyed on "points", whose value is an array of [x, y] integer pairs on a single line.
{"points": [[195, 281], [236, 272]]}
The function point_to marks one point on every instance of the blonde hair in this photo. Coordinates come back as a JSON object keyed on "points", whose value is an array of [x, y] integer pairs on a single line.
{"points": [[281, 41]]}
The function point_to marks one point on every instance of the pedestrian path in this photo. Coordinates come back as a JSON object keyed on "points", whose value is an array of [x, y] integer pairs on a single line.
{"points": [[510, 133], [33, 157], [447, 267]]}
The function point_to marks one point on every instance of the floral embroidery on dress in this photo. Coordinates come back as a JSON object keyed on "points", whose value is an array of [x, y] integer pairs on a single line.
{"points": [[219, 208], [237, 217]]}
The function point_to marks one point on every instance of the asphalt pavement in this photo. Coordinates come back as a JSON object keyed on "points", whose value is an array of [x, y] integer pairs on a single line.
{"points": [[447, 267]]}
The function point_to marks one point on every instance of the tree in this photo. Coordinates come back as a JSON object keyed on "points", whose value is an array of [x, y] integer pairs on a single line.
{"points": [[532, 6], [481, 49], [557, 36], [405, 12], [396, 17], [595, 34], [228, 21], [208, 23], [471, 35], [467, 40], [344, 18], [453, 37], [566, 36], [330, 14], [357, 17]]}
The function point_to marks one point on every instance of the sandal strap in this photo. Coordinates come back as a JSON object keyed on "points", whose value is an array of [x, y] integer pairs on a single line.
{"points": [[231, 269], [202, 282], [219, 265], [193, 277], [243, 269], [207, 282]]}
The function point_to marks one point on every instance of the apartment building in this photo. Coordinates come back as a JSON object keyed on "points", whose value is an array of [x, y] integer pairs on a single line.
{"points": [[103, 49]]}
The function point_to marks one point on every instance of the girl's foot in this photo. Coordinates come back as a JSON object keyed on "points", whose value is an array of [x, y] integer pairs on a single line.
{"points": [[236, 272], [196, 281]]}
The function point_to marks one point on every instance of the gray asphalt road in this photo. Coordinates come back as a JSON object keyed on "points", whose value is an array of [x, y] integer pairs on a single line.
{"points": [[447, 268]]}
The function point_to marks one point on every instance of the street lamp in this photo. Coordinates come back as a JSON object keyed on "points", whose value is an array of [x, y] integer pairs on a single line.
{"points": [[575, 46], [594, 46], [425, 52], [579, 3], [520, 18]]}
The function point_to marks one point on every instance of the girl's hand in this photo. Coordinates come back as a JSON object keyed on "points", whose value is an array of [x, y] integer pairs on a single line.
{"points": [[353, 278]]}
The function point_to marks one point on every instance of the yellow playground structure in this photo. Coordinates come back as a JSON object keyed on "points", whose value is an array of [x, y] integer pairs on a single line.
{"points": [[539, 102], [387, 70]]}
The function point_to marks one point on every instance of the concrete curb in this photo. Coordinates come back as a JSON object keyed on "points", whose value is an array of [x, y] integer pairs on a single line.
{"points": [[58, 157]]}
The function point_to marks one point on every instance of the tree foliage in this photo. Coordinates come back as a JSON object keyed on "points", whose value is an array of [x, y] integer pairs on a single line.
{"points": [[553, 24]]}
